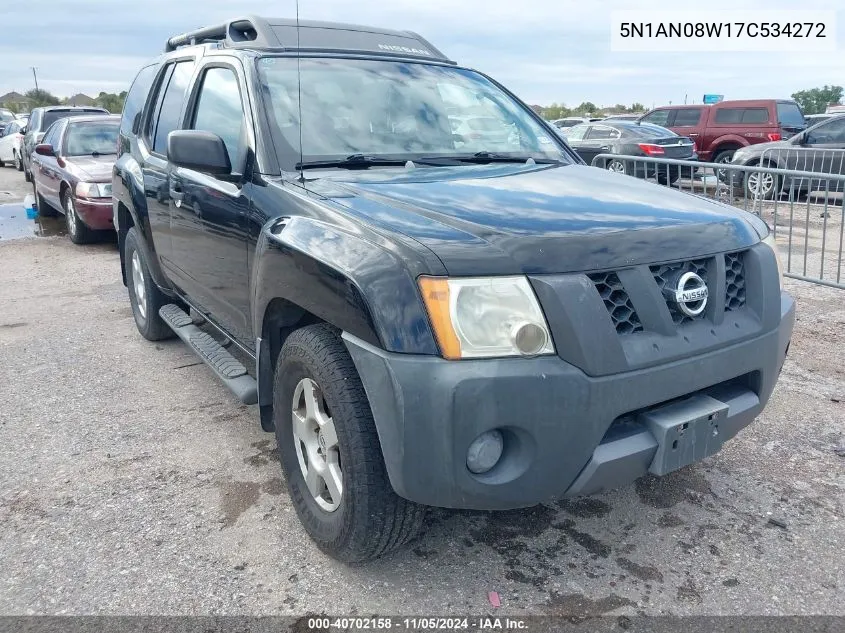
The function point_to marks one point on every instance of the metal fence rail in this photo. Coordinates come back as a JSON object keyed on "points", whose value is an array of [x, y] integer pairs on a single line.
{"points": [[803, 208]]}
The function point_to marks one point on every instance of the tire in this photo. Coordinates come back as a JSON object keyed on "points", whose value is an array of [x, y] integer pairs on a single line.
{"points": [[669, 176], [18, 161], [150, 324], [77, 230], [618, 166], [369, 519], [44, 209], [723, 156], [27, 175]]}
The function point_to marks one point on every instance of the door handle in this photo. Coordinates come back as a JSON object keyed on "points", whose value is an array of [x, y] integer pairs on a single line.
{"points": [[693, 134], [604, 148]]}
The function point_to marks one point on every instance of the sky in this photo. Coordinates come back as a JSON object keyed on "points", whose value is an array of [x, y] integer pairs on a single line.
{"points": [[543, 50]]}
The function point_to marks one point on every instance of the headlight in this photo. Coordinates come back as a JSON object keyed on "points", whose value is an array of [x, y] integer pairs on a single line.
{"points": [[486, 317], [93, 190], [769, 241]]}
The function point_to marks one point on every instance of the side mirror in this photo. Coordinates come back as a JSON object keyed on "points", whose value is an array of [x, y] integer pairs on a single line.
{"points": [[201, 151], [44, 149], [23, 130], [802, 138]]}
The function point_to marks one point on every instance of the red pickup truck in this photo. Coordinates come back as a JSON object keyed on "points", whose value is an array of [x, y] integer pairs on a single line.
{"points": [[720, 129]]}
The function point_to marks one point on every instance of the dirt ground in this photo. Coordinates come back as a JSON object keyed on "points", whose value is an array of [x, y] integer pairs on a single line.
{"points": [[132, 482]]}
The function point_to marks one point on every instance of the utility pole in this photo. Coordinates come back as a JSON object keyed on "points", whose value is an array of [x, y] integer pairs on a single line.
{"points": [[35, 76]]}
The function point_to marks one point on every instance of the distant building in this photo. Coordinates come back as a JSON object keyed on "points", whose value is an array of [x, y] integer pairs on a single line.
{"points": [[15, 99], [80, 100]]}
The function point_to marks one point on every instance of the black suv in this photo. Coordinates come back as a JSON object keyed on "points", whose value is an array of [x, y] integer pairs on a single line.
{"points": [[39, 120], [430, 298]]}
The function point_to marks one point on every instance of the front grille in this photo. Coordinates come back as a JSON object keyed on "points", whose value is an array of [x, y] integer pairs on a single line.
{"points": [[734, 282], [617, 302], [665, 274]]}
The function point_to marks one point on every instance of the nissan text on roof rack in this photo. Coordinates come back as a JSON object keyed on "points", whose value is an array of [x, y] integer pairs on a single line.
{"points": [[423, 317]]}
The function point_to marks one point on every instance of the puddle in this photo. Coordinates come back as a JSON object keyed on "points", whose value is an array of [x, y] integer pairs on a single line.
{"points": [[14, 224]]}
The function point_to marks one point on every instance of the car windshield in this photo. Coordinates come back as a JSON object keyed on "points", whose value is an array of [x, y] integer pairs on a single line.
{"points": [[51, 116], [86, 139], [396, 109], [6, 116]]}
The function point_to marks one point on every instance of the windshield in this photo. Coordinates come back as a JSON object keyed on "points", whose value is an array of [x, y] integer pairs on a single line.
{"points": [[85, 139], [51, 116], [6, 116], [789, 115], [395, 109]]}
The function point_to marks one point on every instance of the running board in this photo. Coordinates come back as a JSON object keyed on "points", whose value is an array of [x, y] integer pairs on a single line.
{"points": [[227, 367]]}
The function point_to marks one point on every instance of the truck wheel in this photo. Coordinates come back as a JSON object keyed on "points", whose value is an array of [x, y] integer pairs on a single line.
{"points": [[330, 451], [144, 294]]}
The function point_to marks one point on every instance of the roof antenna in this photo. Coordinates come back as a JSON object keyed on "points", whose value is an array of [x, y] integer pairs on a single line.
{"points": [[299, 92]]}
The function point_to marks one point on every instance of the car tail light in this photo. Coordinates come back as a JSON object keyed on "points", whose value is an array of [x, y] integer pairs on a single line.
{"points": [[774, 136], [652, 150], [695, 147]]}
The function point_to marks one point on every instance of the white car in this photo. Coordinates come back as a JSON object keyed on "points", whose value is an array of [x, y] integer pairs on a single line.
{"points": [[11, 141]]}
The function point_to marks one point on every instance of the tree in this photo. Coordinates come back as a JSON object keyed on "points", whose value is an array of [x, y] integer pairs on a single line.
{"points": [[816, 100], [111, 102], [637, 107], [40, 98], [587, 107]]}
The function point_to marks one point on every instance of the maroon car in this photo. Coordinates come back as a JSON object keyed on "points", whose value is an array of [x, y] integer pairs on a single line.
{"points": [[71, 173]]}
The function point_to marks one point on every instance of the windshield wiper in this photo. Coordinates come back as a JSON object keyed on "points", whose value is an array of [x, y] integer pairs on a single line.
{"points": [[490, 157], [353, 161]]}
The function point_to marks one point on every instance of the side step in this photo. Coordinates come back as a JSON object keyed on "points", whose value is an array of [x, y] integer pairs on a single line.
{"points": [[227, 367]]}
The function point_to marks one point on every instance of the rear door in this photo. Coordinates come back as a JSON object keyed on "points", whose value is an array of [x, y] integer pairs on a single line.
{"points": [[165, 116], [208, 214], [687, 122]]}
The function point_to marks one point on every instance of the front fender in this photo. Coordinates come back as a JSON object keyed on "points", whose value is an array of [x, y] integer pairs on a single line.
{"points": [[343, 279]]}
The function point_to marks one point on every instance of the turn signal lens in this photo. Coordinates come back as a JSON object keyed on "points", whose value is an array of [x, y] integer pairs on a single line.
{"points": [[435, 291]]}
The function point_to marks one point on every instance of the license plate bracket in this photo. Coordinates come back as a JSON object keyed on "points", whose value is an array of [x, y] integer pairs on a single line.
{"points": [[686, 431]]}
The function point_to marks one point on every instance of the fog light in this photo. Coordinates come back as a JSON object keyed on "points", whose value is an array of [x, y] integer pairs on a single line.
{"points": [[528, 338], [485, 451]]}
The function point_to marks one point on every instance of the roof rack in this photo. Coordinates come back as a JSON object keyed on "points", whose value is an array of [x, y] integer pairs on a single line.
{"points": [[309, 36]]}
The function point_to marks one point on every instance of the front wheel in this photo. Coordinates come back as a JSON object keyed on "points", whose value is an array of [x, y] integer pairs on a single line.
{"points": [[77, 230], [761, 185], [144, 295], [330, 451]]}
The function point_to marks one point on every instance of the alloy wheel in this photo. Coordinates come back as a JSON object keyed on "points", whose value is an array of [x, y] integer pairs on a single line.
{"points": [[316, 445], [138, 283]]}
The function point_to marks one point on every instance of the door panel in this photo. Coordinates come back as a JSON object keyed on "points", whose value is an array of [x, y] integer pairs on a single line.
{"points": [[208, 215]]}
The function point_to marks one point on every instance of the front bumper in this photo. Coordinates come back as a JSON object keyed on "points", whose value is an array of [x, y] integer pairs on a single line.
{"points": [[97, 214], [566, 433]]}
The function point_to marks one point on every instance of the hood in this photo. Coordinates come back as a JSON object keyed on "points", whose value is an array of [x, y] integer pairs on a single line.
{"points": [[92, 168], [512, 219], [759, 148]]}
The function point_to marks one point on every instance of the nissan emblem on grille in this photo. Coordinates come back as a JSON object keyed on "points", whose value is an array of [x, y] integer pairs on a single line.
{"points": [[690, 294]]}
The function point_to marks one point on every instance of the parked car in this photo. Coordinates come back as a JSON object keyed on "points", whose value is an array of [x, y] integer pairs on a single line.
{"points": [[72, 171], [6, 117], [11, 140], [571, 121], [631, 138], [42, 118], [812, 119], [484, 132], [721, 129], [426, 325], [819, 149]]}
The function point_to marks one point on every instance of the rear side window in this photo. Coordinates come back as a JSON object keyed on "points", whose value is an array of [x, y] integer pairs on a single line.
{"points": [[171, 105], [658, 117], [137, 97], [598, 132], [687, 116], [742, 115], [790, 115]]}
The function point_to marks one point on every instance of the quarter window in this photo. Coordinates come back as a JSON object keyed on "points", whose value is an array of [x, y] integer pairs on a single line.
{"points": [[220, 111], [171, 105], [742, 115]]}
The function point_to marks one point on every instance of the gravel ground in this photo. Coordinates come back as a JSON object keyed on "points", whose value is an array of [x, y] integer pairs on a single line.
{"points": [[131, 482]]}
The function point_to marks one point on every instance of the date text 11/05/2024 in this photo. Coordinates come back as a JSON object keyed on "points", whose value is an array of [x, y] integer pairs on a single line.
{"points": [[417, 624]]}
